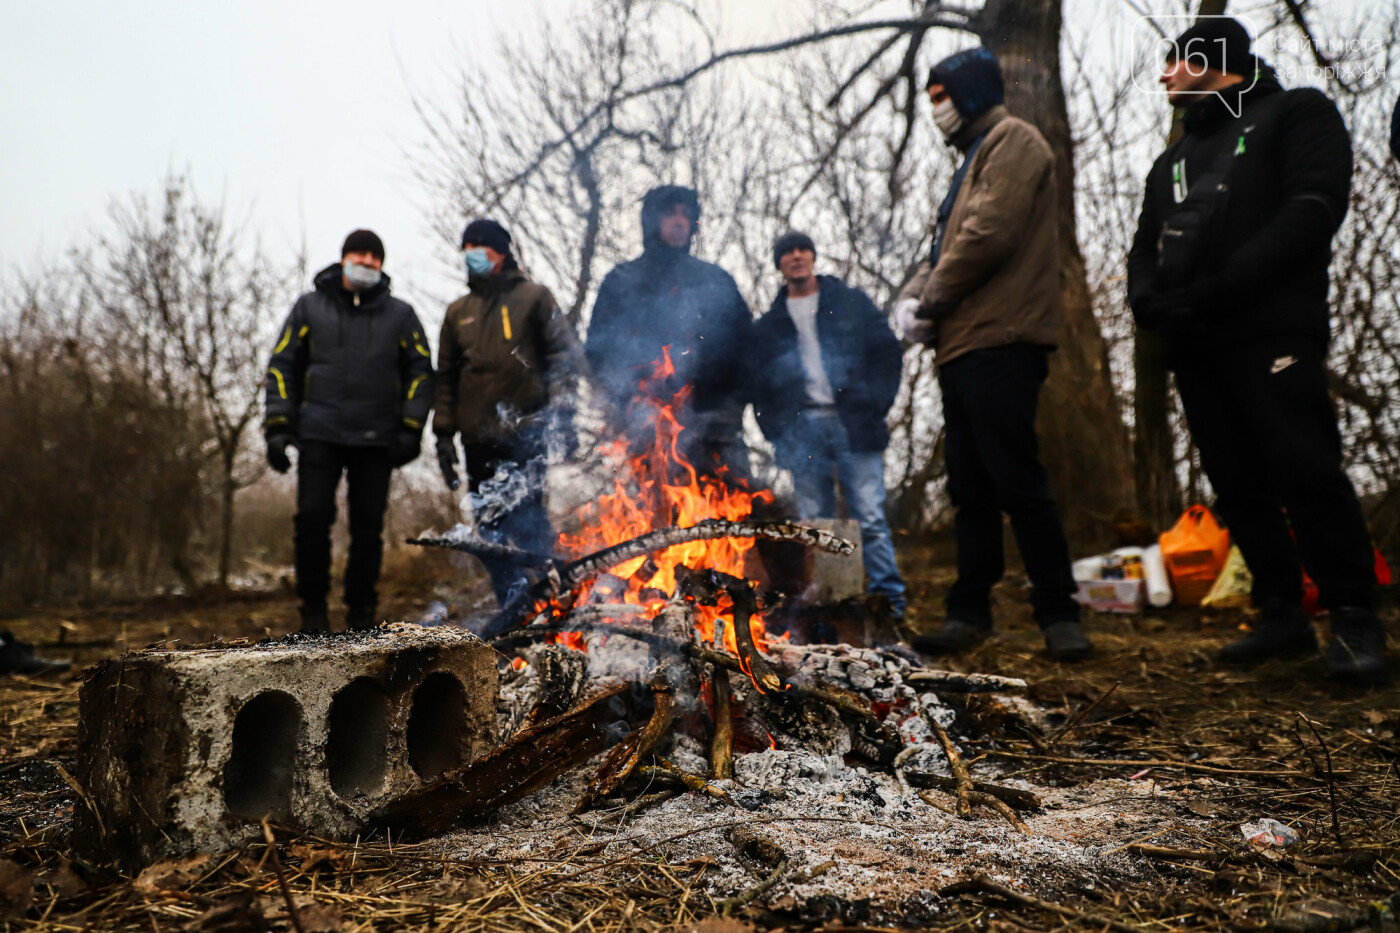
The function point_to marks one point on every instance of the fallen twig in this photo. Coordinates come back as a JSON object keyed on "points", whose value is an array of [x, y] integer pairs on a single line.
{"points": [[292, 914], [691, 781], [955, 764], [729, 905], [1020, 799], [983, 883], [1331, 781]]}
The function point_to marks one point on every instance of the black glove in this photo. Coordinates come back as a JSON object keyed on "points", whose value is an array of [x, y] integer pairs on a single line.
{"points": [[277, 444], [1170, 315], [447, 460], [403, 449]]}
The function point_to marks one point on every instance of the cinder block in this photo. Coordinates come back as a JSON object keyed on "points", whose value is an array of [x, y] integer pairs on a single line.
{"points": [[183, 751]]}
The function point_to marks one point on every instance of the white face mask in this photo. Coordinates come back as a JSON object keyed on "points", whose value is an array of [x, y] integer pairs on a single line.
{"points": [[947, 118], [360, 277]]}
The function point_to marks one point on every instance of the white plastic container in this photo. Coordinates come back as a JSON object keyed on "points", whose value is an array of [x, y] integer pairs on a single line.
{"points": [[1087, 569], [1159, 587]]}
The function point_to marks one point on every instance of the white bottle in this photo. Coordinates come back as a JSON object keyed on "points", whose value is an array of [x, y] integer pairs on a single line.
{"points": [[1159, 587]]}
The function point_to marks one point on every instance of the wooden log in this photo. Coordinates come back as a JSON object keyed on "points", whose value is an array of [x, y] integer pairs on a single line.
{"points": [[627, 754], [562, 674], [841, 703], [955, 764], [692, 781], [531, 760]]}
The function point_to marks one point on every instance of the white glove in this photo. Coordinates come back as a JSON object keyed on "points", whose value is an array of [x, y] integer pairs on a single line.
{"points": [[912, 328]]}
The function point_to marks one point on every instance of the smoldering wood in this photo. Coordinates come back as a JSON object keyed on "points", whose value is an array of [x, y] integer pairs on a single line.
{"points": [[840, 703], [562, 674], [708, 585], [533, 758], [624, 758], [694, 782], [562, 580]]}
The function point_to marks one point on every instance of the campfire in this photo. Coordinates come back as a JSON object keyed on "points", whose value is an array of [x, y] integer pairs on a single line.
{"points": [[648, 641]]}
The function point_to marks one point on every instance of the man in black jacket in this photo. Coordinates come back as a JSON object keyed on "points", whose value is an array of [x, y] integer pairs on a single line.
{"points": [[827, 369], [1229, 266], [350, 384], [668, 298]]}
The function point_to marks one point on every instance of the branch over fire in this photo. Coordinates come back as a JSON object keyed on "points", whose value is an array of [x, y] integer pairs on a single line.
{"points": [[518, 610]]}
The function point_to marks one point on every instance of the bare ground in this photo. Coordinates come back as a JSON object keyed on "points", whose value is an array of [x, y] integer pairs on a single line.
{"points": [[1216, 747]]}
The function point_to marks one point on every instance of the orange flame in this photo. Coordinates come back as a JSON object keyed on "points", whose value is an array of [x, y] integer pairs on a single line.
{"points": [[772, 742], [519, 664], [657, 487]]}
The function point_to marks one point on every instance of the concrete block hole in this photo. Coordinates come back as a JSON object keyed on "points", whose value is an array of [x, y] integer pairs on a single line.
{"points": [[357, 739], [437, 724], [262, 764]]}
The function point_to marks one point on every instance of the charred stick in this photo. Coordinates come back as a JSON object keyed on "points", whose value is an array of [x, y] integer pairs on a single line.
{"points": [[667, 768], [641, 803], [1020, 799], [954, 682], [1083, 716], [955, 764], [982, 800], [480, 547], [531, 760], [627, 754], [562, 674], [722, 744], [840, 703], [985, 884], [292, 915], [739, 902], [563, 579], [758, 668]]}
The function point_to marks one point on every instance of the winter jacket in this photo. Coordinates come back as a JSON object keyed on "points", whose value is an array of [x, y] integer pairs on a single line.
{"points": [[998, 276], [668, 298], [860, 354], [1264, 265], [349, 368], [506, 352]]}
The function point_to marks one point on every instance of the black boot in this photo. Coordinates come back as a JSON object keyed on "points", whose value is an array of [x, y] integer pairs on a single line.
{"points": [[1066, 641], [955, 636], [315, 620], [18, 658], [1282, 630], [361, 618], [1358, 645]]}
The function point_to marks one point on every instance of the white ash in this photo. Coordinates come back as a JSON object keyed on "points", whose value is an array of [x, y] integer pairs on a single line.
{"points": [[892, 850]]}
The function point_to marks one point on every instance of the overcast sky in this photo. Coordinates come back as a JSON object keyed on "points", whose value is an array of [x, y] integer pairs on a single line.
{"points": [[296, 114]]}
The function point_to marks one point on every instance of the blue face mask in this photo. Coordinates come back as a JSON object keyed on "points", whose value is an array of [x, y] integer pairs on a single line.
{"points": [[476, 261]]}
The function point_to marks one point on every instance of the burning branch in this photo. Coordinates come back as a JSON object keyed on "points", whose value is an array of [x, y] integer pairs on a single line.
{"points": [[480, 547], [572, 575], [722, 745]]}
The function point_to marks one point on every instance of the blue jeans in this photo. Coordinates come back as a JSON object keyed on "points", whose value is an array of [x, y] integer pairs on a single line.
{"points": [[817, 453]]}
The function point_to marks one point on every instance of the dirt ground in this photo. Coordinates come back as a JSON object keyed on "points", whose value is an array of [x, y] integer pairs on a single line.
{"points": [[1151, 706]]}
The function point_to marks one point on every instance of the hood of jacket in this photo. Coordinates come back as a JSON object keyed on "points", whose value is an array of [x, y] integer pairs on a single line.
{"points": [[973, 81], [330, 281], [655, 204]]}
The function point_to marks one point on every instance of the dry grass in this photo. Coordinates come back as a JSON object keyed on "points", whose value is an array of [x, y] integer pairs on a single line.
{"points": [[1277, 741]]}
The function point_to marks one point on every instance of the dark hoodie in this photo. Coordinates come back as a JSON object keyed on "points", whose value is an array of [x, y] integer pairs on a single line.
{"points": [[974, 83], [1264, 269], [667, 297], [349, 369]]}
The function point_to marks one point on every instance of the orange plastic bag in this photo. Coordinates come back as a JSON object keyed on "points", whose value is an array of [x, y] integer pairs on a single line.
{"points": [[1194, 550]]}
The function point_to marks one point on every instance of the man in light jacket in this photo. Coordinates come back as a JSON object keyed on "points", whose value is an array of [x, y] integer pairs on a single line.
{"points": [[988, 298]]}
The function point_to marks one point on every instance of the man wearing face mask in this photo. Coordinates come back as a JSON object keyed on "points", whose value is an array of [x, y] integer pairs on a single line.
{"points": [[507, 380], [350, 384], [988, 297], [668, 298]]}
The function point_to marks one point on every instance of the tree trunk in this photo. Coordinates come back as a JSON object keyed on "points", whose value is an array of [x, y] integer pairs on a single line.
{"points": [[227, 490], [1158, 496], [1084, 442]]}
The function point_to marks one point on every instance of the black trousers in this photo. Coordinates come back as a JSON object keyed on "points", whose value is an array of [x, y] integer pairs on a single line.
{"points": [[1262, 419], [989, 404], [319, 468]]}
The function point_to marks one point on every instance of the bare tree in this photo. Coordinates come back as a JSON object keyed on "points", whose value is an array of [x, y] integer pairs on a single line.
{"points": [[193, 304]]}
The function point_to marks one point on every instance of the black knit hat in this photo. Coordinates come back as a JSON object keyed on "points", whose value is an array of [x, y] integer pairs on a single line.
{"points": [[793, 239], [363, 241], [485, 232], [1218, 42]]}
